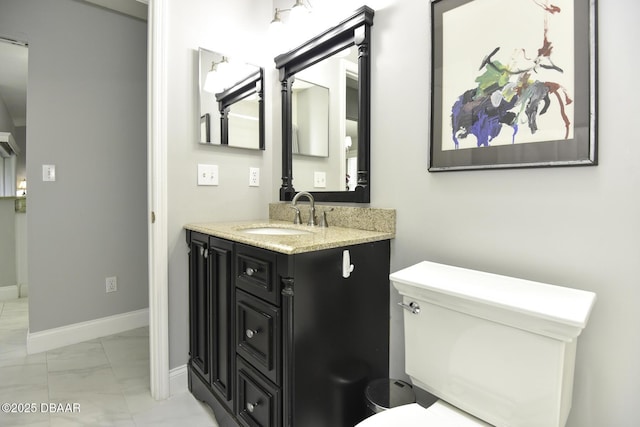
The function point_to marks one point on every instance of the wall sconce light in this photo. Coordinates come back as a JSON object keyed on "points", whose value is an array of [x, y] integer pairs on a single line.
{"points": [[22, 188], [348, 142], [298, 11], [216, 76]]}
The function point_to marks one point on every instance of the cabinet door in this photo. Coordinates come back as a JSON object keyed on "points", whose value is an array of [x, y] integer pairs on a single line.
{"points": [[222, 349], [199, 322]]}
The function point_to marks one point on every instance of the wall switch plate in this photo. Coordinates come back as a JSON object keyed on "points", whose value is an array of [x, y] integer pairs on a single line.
{"points": [[319, 179], [207, 174], [48, 172], [111, 284], [254, 177]]}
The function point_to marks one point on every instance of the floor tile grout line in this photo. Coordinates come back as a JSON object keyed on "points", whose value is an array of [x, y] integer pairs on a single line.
{"points": [[124, 397]]}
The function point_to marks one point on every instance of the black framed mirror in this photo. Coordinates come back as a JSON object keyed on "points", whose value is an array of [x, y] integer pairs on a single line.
{"points": [[242, 113], [338, 59], [231, 101]]}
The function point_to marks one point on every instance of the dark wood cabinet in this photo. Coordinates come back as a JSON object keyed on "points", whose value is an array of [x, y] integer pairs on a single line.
{"points": [[211, 350], [286, 340]]}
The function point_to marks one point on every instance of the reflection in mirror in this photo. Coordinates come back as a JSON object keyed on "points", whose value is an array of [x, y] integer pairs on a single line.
{"points": [[231, 102], [310, 118], [333, 103], [337, 60]]}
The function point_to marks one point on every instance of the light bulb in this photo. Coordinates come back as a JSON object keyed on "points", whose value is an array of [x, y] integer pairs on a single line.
{"points": [[299, 11], [210, 81]]}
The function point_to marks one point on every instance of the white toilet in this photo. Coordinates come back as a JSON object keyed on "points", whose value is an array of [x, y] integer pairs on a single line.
{"points": [[494, 350]]}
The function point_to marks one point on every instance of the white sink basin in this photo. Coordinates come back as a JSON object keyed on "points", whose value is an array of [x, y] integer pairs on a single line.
{"points": [[275, 231]]}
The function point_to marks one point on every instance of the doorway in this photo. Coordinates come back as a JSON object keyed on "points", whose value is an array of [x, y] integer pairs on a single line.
{"points": [[13, 171]]}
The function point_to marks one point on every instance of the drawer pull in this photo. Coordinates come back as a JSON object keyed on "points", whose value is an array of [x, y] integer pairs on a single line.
{"points": [[413, 307], [252, 406], [250, 333], [250, 271]]}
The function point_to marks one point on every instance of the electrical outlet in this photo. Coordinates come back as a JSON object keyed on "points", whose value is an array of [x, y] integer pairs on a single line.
{"points": [[111, 284], [254, 177], [207, 174], [319, 179]]}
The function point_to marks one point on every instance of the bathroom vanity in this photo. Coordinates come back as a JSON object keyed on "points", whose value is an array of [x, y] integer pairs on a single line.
{"points": [[288, 322]]}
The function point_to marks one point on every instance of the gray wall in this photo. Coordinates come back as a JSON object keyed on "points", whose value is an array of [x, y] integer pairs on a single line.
{"points": [[236, 29], [21, 166], [7, 242], [6, 124], [577, 226], [86, 114]]}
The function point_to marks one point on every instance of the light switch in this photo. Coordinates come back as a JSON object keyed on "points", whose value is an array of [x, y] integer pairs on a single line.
{"points": [[207, 174], [48, 172]]}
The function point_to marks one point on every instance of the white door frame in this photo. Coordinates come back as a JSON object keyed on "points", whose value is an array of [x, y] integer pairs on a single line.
{"points": [[157, 105]]}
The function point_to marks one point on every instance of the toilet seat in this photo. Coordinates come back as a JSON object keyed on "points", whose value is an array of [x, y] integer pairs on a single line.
{"points": [[440, 414]]}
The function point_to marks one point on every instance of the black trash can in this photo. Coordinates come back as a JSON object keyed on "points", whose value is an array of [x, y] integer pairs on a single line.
{"points": [[348, 380], [383, 394]]}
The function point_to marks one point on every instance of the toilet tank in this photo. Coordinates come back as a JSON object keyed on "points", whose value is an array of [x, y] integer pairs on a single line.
{"points": [[500, 348]]}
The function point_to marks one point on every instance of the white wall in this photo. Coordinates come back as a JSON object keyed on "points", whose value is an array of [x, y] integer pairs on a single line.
{"points": [[576, 227], [86, 114], [236, 29]]}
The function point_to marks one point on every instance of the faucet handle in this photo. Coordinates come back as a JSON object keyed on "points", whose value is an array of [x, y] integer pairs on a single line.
{"points": [[323, 221], [296, 219]]}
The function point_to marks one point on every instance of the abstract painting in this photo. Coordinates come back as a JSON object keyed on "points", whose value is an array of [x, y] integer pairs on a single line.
{"points": [[513, 83]]}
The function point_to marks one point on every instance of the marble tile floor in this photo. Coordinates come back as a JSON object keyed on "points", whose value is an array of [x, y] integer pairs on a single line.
{"points": [[102, 382]]}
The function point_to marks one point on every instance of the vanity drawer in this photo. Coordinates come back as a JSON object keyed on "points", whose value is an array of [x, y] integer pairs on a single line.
{"points": [[258, 334], [258, 399], [256, 272]]}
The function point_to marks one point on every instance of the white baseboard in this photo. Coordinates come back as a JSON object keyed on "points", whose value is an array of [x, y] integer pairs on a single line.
{"points": [[8, 292], [178, 380], [78, 332]]}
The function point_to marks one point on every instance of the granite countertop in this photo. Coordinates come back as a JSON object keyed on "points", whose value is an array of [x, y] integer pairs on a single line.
{"points": [[317, 238]]}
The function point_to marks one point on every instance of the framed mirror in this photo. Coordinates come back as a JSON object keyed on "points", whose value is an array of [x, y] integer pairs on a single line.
{"points": [[336, 64], [231, 102]]}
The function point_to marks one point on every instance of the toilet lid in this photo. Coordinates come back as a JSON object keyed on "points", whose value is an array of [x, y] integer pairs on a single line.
{"points": [[440, 414]]}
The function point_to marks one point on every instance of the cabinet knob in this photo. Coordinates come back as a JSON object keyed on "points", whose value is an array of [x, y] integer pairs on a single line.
{"points": [[250, 333], [251, 271], [204, 252], [252, 406]]}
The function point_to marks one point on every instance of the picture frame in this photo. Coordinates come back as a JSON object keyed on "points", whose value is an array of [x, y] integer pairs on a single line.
{"points": [[513, 84]]}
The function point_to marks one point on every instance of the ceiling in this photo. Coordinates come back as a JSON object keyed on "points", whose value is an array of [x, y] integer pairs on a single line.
{"points": [[13, 57]]}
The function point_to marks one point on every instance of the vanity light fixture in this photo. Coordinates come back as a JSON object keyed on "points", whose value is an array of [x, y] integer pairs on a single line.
{"points": [[348, 142], [216, 76], [298, 11], [22, 188]]}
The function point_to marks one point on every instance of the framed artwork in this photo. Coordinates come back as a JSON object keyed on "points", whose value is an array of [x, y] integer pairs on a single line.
{"points": [[513, 84]]}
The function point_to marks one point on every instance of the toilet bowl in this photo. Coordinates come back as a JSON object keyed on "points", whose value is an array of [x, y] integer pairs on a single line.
{"points": [[440, 414], [490, 350]]}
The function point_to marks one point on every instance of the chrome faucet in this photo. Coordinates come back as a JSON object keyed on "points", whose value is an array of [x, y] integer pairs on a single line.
{"points": [[312, 206]]}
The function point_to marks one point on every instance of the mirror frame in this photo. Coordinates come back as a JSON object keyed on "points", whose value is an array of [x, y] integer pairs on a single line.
{"points": [[353, 31], [253, 84]]}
